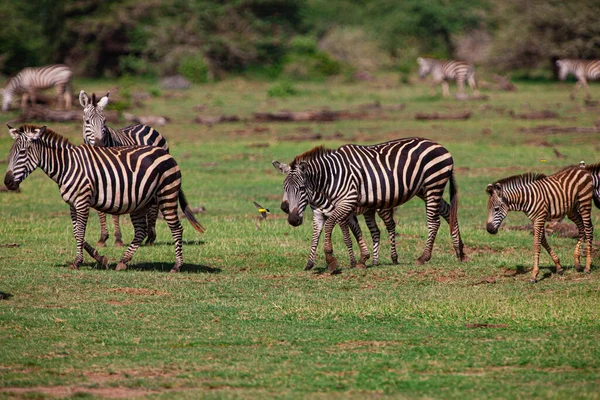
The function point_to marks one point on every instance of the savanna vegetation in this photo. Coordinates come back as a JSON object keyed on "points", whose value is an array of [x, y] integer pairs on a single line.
{"points": [[243, 320]]}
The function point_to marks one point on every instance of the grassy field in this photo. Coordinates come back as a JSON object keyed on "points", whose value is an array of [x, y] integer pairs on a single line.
{"points": [[243, 320]]}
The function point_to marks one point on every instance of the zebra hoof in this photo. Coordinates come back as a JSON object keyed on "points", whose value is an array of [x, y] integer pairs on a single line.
{"points": [[532, 281], [100, 243], [73, 266], [119, 243], [174, 270], [560, 271], [361, 266], [332, 265], [121, 266], [309, 266], [103, 261], [587, 272], [420, 261]]}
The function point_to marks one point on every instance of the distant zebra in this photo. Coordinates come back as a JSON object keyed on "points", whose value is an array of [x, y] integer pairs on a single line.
{"points": [[582, 69], [377, 177], [567, 192], [444, 70], [122, 180], [31, 80], [97, 133]]}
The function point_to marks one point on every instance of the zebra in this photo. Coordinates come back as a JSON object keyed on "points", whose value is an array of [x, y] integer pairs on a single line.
{"points": [[322, 209], [567, 192], [116, 180], [376, 177], [582, 69], [444, 70], [594, 169], [97, 133], [29, 80]]}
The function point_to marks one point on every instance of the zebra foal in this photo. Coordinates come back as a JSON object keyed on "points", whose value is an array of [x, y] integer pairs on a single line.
{"points": [[567, 192], [355, 178], [583, 70], [31, 80], [97, 133], [444, 70], [122, 180]]}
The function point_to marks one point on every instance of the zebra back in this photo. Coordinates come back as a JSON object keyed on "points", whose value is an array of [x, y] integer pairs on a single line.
{"points": [[445, 69], [594, 169], [36, 78], [586, 69]]}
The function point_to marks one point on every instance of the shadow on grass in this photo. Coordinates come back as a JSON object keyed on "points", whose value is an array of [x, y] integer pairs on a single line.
{"points": [[171, 243], [166, 267]]}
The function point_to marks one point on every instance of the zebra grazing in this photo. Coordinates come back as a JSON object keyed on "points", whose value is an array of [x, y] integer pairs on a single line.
{"points": [[377, 177], [444, 70], [567, 192], [30, 80], [322, 209], [97, 133], [583, 70], [122, 180]]}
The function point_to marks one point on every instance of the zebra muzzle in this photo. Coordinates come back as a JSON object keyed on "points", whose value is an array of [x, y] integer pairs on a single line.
{"points": [[9, 181], [294, 218], [285, 207], [491, 229]]}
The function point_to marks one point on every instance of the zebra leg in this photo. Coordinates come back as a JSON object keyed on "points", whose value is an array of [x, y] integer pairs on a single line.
{"points": [[473, 84], [576, 218], [79, 216], [445, 89], [102, 260], [318, 221], [587, 88], [331, 261], [348, 240], [388, 219], [67, 98], [103, 230], [151, 218], [460, 82], [138, 219], [375, 234], [118, 237], [168, 207], [538, 234], [24, 99], [432, 205], [576, 89], [457, 242], [360, 239], [586, 213], [559, 268]]}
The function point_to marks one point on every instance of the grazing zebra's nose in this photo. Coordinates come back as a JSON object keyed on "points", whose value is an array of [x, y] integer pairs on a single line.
{"points": [[285, 207], [9, 181], [491, 228], [294, 218]]}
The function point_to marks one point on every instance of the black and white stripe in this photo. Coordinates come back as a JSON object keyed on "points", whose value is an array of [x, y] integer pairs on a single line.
{"points": [[566, 193], [583, 70], [355, 178], [97, 133], [118, 180], [31, 80], [444, 70], [594, 169]]}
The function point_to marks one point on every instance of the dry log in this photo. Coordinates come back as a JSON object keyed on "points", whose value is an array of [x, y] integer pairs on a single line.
{"points": [[460, 115], [210, 120], [504, 82], [544, 114], [282, 116], [550, 129], [42, 113]]}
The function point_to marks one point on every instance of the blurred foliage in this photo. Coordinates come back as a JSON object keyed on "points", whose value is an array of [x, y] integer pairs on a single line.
{"points": [[290, 39]]}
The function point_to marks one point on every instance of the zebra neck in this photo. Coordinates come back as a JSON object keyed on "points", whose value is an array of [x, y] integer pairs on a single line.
{"points": [[56, 159], [519, 200], [12, 86], [108, 137]]}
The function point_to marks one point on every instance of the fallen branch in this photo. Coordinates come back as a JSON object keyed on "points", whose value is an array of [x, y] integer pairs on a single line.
{"points": [[550, 129], [461, 115], [281, 116], [210, 120], [544, 114], [43, 113]]}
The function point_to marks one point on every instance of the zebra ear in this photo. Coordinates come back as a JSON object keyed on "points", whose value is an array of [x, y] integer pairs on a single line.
{"points": [[284, 168], [14, 133], [490, 189], [84, 99], [103, 102], [419, 60]]}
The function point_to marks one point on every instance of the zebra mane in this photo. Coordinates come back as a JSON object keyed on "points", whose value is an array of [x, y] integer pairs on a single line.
{"points": [[312, 154], [594, 169], [517, 181], [49, 135]]}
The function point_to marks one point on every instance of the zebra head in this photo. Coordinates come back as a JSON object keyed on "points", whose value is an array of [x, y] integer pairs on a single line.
{"points": [[424, 67], [497, 207], [94, 119], [563, 69], [295, 194], [24, 157]]}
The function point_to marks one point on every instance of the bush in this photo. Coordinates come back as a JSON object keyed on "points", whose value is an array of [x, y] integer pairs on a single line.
{"points": [[282, 89], [195, 69]]}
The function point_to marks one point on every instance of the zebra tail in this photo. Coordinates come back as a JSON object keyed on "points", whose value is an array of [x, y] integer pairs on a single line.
{"points": [[453, 201], [596, 201], [188, 213]]}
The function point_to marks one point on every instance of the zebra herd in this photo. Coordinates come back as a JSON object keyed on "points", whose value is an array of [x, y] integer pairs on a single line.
{"points": [[130, 171]]}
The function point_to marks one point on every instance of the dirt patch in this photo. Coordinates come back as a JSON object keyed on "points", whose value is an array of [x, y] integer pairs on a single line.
{"points": [[438, 275], [139, 291], [69, 391]]}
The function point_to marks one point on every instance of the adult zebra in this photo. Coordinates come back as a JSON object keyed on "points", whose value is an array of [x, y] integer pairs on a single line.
{"points": [[594, 170], [30, 80], [122, 180], [444, 70], [376, 177], [582, 69], [567, 192], [97, 133]]}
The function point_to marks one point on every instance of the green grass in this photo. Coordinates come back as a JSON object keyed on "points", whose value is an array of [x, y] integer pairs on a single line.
{"points": [[243, 320]]}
